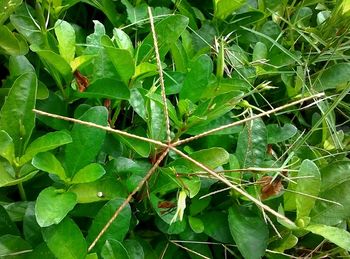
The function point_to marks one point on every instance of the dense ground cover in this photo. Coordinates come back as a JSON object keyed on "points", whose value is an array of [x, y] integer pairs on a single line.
{"points": [[174, 129]]}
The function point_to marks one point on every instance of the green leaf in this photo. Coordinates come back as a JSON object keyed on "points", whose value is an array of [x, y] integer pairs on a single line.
{"points": [[26, 26], [54, 62], [334, 187], [196, 224], [197, 79], [44, 143], [53, 205], [156, 121], [123, 40], [215, 226], [8, 7], [16, 115], [212, 158], [134, 248], [89, 173], [106, 88], [65, 240], [7, 148], [31, 229], [168, 31], [276, 134], [338, 236], [252, 144], [12, 43], [332, 77], [7, 175], [47, 162], [13, 245], [19, 65], [135, 14], [141, 147], [123, 62], [7, 226], [118, 229], [223, 8], [249, 232], [114, 249], [66, 39], [307, 186], [87, 141], [138, 103]]}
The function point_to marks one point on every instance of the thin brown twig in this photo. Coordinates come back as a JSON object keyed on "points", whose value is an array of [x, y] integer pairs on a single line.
{"points": [[161, 77], [179, 142], [236, 188], [106, 128], [128, 199]]}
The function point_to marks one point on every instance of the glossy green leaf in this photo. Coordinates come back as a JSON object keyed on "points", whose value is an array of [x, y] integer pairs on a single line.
{"points": [[135, 14], [123, 62], [138, 103], [212, 158], [276, 134], [44, 143], [223, 8], [66, 39], [8, 8], [334, 187], [7, 226], [106, 88], [134, 248], [25, 25], [118, 229], [53, 205], [47, 162], [114, 249], [308, 186], [54, 62], [19, 65], [7, 148], [7, 175], [144, 70], [338, 236], [141, 147], [216, 226], [197, 79], [168, 31], [87, 141], [156, 121], [31, 229], [335, 76], [196, 224], [12, 43], [16, 115], [123, 40], [65, 240], [252, 144], [89, 173], [249, 232], [11, 246]]}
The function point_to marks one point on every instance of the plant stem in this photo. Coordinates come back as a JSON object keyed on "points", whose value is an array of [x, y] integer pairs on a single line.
{"points": [[22, 192]]}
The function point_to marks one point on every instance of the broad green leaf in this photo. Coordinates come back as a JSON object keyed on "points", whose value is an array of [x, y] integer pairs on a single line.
{"points": [[276, 134], [249, 232], [212, 158], [215, 226], [134, 249], [123, 40], [12, 43], [138, 103], [31, 229], [16, 115], [168, 31], [122, 61], [8, 7], [135, 14], [44, 143], [334, 187], [19, 65], [66, 39], [47, 162], [89, 173], [87, 141], [197, 79], [144, 70], [54, 62], [332, 77], [114, 249], [117, 230], [141, 147], [42, 251], [13, 245], [7, 148], [196, 224], [93, 41], [308, 186], [287, 242], [156, 121], [252, 144], [223, 8], [338, 236], [25, 25], [80, 61], [53, 205], [65, 240], [7, 175], [7, 226], [106, 88]]}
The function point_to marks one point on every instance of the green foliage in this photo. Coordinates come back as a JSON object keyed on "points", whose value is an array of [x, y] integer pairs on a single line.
{"points": [[89, 104]]}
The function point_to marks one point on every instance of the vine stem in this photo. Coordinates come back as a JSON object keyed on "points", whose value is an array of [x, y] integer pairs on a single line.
{"points": [[128, 199], [262, 114], [161, 76]]}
